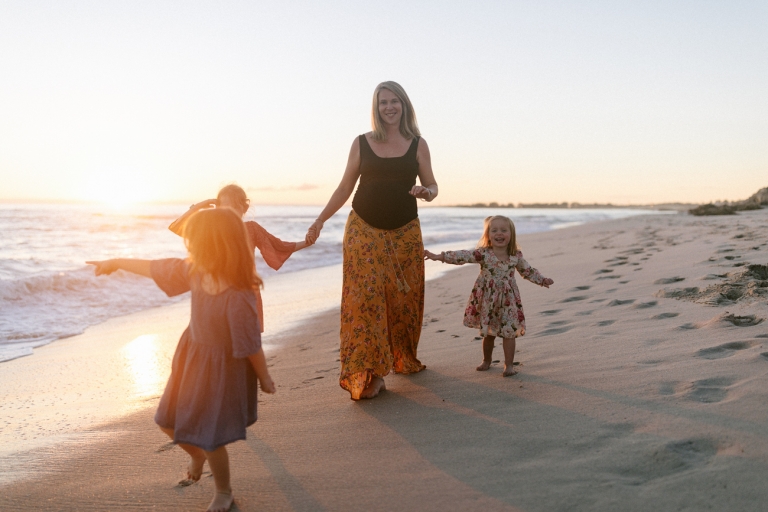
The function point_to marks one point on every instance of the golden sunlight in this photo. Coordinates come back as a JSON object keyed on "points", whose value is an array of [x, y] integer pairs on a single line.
{"points": [[146, 364], [117, 190]]}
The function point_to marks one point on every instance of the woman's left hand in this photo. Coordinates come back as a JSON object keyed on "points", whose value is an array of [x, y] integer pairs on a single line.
{"points": [[421, 192]]}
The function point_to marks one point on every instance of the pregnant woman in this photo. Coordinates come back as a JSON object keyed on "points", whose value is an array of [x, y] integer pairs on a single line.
{"points": [[382, 300]]}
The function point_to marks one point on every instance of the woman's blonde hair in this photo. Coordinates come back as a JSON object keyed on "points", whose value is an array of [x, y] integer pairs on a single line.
{"points": [[409, 128], [218, 245], [485, 240], [236, 195]]}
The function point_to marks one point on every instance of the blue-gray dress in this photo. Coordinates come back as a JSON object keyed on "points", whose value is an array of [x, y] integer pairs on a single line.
{"points": [[210, 397]]}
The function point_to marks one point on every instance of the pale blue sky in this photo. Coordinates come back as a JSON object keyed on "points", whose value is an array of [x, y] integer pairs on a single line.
{"points": [[623, 102]]}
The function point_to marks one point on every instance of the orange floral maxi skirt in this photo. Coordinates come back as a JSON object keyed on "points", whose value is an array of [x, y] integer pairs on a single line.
{"points": [[382, 302]]}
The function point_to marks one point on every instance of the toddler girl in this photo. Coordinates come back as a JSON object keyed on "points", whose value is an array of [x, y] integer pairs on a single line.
{"points": [[274, 251], [494, 305], [210, 397]]}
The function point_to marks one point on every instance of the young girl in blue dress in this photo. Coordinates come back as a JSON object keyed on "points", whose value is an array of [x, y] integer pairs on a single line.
{"points": [[494, 305], [210, 397]]}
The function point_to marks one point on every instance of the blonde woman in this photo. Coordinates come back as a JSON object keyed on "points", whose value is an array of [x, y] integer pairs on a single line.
{"points": [[382, 302]]}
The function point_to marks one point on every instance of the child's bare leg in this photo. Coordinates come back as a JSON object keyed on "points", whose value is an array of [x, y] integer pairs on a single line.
{"points": [[373, 388], [195, 467], [488, 343], [218, 461], [509, 357]]}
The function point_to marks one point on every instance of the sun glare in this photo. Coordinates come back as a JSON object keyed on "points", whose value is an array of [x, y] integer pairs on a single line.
{"points": [[146, 365], [118, 190]]}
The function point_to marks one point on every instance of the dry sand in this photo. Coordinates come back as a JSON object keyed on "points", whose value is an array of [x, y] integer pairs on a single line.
{"points": [[643, 385]]}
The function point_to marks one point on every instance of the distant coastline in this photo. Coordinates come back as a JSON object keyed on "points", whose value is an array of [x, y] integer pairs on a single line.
{"points": [[660, 206]]}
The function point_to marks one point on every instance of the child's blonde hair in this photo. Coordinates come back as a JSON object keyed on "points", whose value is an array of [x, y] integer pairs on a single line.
{"points": [[236, 195], [485, 240], [218, 245]]}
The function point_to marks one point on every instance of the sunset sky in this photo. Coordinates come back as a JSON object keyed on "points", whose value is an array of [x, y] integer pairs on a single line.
{"points": [[520, 101]]}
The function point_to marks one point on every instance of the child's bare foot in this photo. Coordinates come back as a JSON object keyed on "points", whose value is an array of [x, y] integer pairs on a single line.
{"points": [[509, 371], [484, 367], [195, 467], [373, 388], [222, 502]]}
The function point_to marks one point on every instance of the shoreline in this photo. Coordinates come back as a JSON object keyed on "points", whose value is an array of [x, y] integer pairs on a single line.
{"points": [[627, 397]]}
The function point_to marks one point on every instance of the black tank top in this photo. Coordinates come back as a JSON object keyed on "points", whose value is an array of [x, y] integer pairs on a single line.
{"points": [[382, 199]]}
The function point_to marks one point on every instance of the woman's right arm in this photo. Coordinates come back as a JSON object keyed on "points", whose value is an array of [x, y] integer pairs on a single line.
{"points": [[177, 226], [340, 195]]}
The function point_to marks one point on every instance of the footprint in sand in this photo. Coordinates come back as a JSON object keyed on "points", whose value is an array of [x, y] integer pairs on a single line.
{"points": [[607, 277], [724, 350], [604, 271], [741, 321], [440, 330], [710, 277], [617, 302], [606, 323], [553, 330], [762, 336], [662, 316], [669, 280], [665, 460], [551, 312], [645, 305], [574, 299], [165, 447], [585, 313], [580, 288], [765, 355], [711, 390], [678, 293]]}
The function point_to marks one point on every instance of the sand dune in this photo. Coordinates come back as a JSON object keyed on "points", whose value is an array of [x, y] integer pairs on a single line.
{"points": [[643, 385]]}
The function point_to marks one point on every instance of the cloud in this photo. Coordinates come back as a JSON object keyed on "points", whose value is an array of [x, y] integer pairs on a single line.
{"points": [[302, 187]]}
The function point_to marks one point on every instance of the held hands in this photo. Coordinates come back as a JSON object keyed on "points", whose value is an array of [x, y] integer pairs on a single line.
{"points": [[432, 256], [421, 192], [547, 282], [104, 267], [313, 233], [267, 385]]}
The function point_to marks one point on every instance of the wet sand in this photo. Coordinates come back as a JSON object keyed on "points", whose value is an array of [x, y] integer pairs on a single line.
{"points": [[643, 385]]}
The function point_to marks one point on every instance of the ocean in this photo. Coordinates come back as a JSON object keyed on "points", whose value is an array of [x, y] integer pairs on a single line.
{"points": [[47, 292]]}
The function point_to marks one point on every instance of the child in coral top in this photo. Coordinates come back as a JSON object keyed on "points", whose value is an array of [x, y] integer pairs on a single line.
{"points": [[494, 305], [274, 251]]}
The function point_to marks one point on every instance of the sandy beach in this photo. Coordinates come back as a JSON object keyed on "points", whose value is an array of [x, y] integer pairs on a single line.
{"points": [[642, 385]]}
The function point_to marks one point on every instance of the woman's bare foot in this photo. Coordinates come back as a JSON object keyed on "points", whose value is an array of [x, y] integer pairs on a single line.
{"points": [[373, 388], [509, 371], [222, 502], [484, 367]]}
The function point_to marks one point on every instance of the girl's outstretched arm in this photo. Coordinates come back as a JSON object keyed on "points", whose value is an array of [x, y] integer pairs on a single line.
{"points": [[302, 245], [259, 363], [177, 226], [135, 266], [531, 274], [434, 257]]}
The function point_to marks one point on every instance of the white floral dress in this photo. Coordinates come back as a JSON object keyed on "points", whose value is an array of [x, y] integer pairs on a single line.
{"points": [[494, 306]]}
